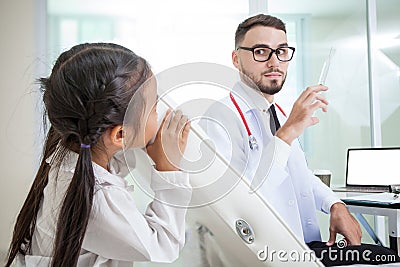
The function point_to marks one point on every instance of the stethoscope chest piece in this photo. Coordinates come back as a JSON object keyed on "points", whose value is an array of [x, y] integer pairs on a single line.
{"points": [[253, 142]]}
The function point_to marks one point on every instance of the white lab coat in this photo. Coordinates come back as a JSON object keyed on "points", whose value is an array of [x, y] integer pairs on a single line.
{"points": [[117, 233], [279, 172]]}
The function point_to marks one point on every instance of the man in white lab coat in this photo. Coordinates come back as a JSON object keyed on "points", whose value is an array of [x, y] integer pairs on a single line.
{"points": [[268, 156]]}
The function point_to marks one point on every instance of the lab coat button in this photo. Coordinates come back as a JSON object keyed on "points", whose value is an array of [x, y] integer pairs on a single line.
{"points": [[291, 202], [309, 222]]}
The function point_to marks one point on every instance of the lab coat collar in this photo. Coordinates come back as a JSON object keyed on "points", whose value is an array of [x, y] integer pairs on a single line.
{"points": [[251, 98], [102, 176]]}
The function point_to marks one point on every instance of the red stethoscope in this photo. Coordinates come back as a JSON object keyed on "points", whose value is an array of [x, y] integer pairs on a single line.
{"points": [[252, 140]]}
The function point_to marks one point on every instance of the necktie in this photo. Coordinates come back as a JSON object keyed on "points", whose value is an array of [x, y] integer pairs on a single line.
{"points": [[273, 120]]}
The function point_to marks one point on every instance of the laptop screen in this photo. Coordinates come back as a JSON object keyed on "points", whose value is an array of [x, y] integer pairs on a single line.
{"points": [[373, 166]]}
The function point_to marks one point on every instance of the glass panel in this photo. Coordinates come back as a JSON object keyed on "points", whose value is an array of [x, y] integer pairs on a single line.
{"points": [[387, 69], [341, 25]]}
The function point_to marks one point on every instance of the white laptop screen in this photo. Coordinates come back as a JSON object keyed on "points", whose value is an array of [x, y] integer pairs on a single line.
{"points": [[373, 166]]}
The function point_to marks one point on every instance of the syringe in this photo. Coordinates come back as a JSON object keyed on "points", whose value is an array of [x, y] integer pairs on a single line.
{"points": [[325, 67]]}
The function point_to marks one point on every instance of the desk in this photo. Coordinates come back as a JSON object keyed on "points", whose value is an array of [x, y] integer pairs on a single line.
{"points": [[392, 211]]}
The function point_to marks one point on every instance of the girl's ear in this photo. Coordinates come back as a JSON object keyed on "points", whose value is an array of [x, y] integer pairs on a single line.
{"points": [[117, 135]]}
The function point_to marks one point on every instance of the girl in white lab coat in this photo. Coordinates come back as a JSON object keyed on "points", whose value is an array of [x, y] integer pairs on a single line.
{"points": [[80, 211]]}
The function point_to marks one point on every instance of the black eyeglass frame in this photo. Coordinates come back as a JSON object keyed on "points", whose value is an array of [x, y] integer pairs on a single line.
{"points": [[270, 54]]}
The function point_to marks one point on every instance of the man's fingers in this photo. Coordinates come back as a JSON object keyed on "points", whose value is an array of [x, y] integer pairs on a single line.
{"points": [[353, 238], [314, 120], [322, 99], [332, 238], [357, 236], [315, 97], [312, 90], [358, 228], [317, 104]]}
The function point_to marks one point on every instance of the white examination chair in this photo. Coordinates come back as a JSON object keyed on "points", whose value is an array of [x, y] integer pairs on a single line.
{"points": [[223, 219]]}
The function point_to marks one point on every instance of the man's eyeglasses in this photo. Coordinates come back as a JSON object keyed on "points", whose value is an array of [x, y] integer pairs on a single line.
{"points": [[262, 54]]}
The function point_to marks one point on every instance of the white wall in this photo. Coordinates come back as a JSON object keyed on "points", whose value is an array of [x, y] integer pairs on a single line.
{"points": [[16, 111]]}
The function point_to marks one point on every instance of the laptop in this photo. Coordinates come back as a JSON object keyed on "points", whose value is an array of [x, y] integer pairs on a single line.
{"points": [[371, 169]]}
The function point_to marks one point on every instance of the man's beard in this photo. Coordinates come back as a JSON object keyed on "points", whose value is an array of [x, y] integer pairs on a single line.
{"points": [[271, 89]]}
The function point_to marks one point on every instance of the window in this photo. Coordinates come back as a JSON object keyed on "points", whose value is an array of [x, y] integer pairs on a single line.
{"points": [[387, 69]]}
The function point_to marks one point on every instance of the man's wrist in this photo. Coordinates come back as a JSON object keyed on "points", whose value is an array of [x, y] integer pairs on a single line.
{"points": [[286, 135], [338, 206]]}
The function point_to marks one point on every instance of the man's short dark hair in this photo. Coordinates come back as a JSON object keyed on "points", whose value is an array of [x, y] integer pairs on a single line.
{"points": [[257, 20]]}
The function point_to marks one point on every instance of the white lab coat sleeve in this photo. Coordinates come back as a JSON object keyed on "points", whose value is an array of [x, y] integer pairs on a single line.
{"points": [[157, 235], [324, 196]]}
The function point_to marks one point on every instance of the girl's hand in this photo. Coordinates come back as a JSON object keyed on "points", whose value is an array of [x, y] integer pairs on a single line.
{"points": [[170, 142]]}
